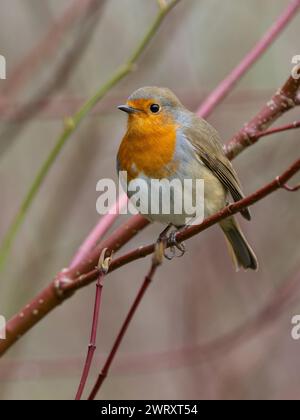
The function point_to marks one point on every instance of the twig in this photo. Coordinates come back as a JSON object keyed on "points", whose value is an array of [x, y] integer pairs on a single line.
{"points": [[286, 127], [71, 125], [283, 297], [269, 37], [156, 261], [103, 266], [283, 100]]}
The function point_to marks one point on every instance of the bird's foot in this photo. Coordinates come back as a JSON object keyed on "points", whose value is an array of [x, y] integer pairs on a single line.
{"points": [[175, 245], [170, 244]]}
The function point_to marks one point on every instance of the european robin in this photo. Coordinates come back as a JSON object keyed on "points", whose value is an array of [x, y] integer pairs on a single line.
{"points": [[164, 140]]}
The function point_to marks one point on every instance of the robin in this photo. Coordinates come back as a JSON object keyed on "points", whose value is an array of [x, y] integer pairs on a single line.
{"points": [[164, 140]]}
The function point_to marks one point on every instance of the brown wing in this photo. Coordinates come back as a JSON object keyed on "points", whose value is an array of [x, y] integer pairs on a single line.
{"points": [[206, 142]]}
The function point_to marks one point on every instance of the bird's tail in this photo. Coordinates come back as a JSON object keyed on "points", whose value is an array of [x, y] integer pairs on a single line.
{"points": [[240, 251]]}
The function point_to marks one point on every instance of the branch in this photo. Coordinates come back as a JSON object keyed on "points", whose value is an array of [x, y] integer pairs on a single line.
{"points": [[103, 266], [71, 125], [285, 296], [286, 127], [283, 100], [156, 261]]}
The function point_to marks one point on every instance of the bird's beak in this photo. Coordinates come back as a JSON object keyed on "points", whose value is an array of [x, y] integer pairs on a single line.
{"points": [[127, 109]]}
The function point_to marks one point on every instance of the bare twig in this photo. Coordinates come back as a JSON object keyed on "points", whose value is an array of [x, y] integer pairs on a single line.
{"points": [[156, 261], [286, 127], [103, 267], [285, 296], [283, 100]]}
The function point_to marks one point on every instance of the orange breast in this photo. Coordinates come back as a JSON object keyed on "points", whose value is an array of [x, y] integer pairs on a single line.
{"points": [[148, 147]]}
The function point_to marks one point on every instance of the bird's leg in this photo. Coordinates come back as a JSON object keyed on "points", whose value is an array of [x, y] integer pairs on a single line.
{"points": [[174, 244], [163, 235], [170, 240], [164, 240]]}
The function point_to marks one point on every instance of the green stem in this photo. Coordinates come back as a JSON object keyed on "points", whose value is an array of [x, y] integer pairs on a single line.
{"points": [[72, 124]]}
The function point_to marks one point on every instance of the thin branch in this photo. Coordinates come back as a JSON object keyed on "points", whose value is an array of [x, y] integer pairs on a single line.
{"points": [[156, 261], [71, 125], [291, 189], [286, 127], [269, 37], [103, 266], [283, 100], [285, 296]]}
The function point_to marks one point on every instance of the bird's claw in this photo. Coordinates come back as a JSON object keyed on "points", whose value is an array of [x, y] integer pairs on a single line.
{"points": [[174, 244], [171, 242]]}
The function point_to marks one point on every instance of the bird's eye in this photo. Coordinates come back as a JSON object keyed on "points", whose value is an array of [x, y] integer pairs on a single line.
{"points": [[154, 108]]}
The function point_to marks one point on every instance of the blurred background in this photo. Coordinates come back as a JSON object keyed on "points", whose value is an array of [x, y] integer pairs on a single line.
{"points": [[202, 331]]}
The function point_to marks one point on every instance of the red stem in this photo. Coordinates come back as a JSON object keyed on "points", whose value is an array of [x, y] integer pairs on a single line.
{"points": [[123, 330], [92, 345], [286, 127]]}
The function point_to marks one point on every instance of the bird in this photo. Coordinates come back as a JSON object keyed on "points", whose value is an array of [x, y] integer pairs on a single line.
{"points": [[164, 140]]}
